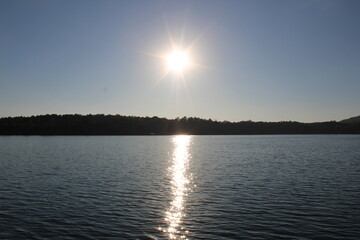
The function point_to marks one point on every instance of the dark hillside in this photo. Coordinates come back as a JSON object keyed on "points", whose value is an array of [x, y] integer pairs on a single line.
{"points": [[351, 120]]}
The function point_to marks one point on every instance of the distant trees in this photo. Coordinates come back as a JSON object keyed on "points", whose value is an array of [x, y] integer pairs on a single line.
{"points": [[100, 124]]}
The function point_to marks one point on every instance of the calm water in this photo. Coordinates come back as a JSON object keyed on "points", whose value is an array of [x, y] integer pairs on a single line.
{"points": [[180, 187]]}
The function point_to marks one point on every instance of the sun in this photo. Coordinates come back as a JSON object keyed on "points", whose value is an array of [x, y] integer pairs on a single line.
{"points": [[177, 61]]}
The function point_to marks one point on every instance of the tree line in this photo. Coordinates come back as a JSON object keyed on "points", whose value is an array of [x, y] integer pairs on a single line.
{"points": [[100, 124]]}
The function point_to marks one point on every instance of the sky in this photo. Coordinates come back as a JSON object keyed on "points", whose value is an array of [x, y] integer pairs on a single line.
{"points": [[253, 60]]}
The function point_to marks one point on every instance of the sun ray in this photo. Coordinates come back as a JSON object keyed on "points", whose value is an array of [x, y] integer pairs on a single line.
{"points": [[169, 35]]}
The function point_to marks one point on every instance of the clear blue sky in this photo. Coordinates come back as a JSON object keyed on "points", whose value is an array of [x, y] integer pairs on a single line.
{"points": [[260, 60]]}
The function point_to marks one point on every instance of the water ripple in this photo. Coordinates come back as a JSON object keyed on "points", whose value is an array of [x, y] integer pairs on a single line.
{"points": [[224, 187]]}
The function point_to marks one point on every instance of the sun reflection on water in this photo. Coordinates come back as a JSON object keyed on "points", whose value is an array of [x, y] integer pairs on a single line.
{"points": [[179, 185]]}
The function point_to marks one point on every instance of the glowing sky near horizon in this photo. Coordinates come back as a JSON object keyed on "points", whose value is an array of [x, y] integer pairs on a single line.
{"points": [[260, 60]]}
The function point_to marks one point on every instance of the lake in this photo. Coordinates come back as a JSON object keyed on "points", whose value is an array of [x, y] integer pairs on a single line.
{"points": [[180, 187]]}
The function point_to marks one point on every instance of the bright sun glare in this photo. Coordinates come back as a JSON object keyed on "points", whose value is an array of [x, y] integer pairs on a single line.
{"points": [[177, 61]]}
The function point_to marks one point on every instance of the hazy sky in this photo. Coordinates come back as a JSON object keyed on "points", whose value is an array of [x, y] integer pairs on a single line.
{"points": [[259, 60]]}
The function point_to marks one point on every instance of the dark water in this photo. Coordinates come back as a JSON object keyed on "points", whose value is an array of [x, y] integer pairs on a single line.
{"points": [[199, 187]]}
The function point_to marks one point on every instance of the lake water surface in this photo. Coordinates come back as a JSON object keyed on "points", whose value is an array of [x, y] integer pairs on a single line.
{"points": [[180, 187]]}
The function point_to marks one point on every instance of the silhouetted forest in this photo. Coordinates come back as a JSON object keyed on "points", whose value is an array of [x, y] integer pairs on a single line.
{"points": [[100, 124]]}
